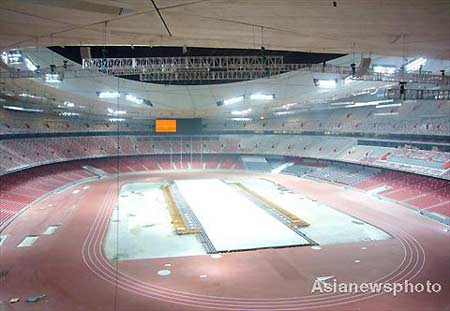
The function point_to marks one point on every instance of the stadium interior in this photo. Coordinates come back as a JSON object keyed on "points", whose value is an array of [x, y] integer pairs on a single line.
{"points": [[224, 155]]}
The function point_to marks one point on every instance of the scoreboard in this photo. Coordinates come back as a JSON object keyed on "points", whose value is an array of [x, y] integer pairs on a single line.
{"points": [[179, 126], [166, 126]]}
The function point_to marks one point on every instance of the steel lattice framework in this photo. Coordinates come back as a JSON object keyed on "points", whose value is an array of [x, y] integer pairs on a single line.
{"points": [[214, 68]]}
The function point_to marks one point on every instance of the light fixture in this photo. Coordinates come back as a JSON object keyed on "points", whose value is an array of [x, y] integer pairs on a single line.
{"points": [[116, 119], [69, 114], [342, 103], [348, 80], [13, 57], [385, 114], [415, 64], [30, 96], [233, 100], [241, 112], [53, 78], [16, 108], [30, 65], [325, 84], [241, 119], [134, 99], [388, 106], [108, 94], [259, 96], [116, 112], [287, 106], [385, 69], [283, 113], [371, 103]]}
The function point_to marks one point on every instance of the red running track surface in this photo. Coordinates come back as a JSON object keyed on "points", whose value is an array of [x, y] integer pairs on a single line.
{"points": [[71, 269]]}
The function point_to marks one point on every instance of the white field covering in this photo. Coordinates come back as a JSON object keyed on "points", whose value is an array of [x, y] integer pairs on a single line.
{"points": [[231, 221]]}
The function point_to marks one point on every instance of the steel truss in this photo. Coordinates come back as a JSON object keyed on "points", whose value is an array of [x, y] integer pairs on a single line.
{"points": [[213, 68], [417, 94]]}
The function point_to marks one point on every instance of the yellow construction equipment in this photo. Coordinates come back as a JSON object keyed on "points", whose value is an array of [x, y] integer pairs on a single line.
{"points": [[179, 227], [294, 220]]}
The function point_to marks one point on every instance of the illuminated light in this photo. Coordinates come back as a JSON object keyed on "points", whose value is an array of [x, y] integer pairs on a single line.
{"points": [[14, 57], [371, 103], [283, 113], [241, 112], [116, 112], [342, 103], [259, 96], [16, 108], [5, 57], [389, 106], [69, 114], [233, 100], [30, 65], [108, 94], [30, 96], [385, 114], [241, 119], [325, 84], [69, 104], [384, 69], [348, 80], [415, 64], [134, 99], [53, 78], [116, 119]]}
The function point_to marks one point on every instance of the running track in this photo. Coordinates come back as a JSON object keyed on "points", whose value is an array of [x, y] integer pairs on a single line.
{"points": [[71, 269]]}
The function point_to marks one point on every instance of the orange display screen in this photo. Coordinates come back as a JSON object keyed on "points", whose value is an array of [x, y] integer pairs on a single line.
{"points": [[166, 126]]}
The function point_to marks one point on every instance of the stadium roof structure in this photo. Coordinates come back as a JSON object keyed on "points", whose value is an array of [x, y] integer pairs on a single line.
{"points": [[360, 29], [378, 27]]}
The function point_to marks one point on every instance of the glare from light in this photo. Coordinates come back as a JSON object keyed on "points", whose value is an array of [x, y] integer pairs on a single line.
{"points": [[5, 57], [30, 96], [233, 100], [348, 80], [108, 94], [325, 84], [241, 112], [116, 112], [52, 78], [389, 106], [259, 96], [385, 114], [116, 119], [283, 113], [342, 103], [30, 65], [134, 99], [241, 119], [415, 64], [16, 108], [69, 104], [14, 57], [371, 103], [69, 114], [384, 69]]}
